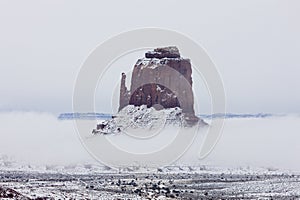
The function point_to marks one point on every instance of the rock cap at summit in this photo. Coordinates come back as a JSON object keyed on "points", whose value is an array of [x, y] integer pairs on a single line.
{"points": [[163, 52]]}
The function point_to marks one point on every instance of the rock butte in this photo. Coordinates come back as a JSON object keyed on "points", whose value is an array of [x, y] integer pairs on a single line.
{"points": [[162, 79]]}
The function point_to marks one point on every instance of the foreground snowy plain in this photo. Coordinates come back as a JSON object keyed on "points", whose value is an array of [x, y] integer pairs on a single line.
{"points": [[91, 181]]}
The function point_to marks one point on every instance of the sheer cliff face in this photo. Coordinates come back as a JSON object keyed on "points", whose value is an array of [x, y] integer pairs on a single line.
{"points": [[162, 80]]}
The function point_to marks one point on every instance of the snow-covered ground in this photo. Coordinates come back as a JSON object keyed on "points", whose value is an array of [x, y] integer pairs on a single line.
{"points": [[94, 181]]}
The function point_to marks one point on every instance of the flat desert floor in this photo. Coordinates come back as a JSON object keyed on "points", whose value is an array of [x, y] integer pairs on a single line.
{"points": [[163, 183]]}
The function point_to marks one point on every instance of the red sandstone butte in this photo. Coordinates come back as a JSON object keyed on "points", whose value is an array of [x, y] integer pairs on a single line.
{"points": [[162, 79]]}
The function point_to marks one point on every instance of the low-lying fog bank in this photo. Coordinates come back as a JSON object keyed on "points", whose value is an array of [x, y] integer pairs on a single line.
{"points": [[41, 139]]}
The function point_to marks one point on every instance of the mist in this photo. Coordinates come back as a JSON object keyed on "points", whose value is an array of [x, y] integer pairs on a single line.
{"points": [[39, 138], [258, 142]]}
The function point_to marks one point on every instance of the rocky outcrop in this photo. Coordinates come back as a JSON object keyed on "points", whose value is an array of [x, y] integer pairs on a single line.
{"points": [[132, 117], [124, 94], [161, 80]]}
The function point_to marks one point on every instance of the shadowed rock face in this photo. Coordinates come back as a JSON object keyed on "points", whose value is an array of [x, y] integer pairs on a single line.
{"points": [[161, 80]]}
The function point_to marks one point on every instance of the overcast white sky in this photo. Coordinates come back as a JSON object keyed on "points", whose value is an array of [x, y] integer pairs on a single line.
{"points": [[255, 45]]}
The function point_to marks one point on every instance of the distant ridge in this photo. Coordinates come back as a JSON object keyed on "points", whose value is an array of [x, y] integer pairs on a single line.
{"points": [[86, 116], [233, 115], [95, 116]]}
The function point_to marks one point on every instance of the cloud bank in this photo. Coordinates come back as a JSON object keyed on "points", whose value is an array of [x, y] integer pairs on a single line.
{"points": [[40, 138]]}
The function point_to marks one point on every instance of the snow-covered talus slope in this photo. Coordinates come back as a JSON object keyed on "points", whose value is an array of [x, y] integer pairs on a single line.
{"points": [[142, 117]]}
